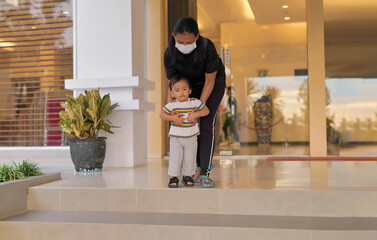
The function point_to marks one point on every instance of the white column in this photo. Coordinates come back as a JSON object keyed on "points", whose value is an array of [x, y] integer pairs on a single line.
{"points": [[109, 53], [316, 72], [317, 92]]}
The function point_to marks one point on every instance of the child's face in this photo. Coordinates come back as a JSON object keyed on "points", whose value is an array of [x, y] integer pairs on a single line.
{"points": [[181, 91]]}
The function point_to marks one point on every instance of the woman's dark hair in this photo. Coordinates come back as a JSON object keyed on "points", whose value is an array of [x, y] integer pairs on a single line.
{"points": [[177, 78], [186, 25]]}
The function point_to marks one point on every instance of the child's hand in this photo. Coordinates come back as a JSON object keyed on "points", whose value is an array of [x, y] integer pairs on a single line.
{"points": [[173, 112], [192, 117], [177, 119]]}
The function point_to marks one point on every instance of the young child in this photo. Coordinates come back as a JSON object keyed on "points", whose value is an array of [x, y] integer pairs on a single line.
{"points": [[184, 130]]}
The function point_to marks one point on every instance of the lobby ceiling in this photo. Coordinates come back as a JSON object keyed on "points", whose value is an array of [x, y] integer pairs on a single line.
{"points": [[347, 14], [349, 25]]}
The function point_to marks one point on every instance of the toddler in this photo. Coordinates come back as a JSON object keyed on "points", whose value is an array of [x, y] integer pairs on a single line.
{"points": [[184, 130]]}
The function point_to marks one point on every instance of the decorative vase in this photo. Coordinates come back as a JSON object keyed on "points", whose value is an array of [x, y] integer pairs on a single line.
{"points": [[88, 154], [263, 119]]}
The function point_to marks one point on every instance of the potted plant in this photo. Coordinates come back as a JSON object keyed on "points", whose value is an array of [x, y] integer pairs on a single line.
{"points": [[83, 118]]}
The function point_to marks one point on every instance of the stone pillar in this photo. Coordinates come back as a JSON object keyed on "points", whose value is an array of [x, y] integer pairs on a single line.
{"points": [[109, 53]]}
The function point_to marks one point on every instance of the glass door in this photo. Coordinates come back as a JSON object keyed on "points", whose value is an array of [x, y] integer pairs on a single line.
{"points": [[264, 49], [351, 77]]}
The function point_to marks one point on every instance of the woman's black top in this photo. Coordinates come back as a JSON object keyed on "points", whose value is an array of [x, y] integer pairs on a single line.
{"points": [[194, 65]]}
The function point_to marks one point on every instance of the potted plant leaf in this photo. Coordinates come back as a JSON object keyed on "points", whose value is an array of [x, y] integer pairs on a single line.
{"points": [[83, 118]]}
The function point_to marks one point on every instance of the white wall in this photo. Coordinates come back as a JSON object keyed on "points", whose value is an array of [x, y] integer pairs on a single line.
{"points": [[155, 72], [103, 34]]}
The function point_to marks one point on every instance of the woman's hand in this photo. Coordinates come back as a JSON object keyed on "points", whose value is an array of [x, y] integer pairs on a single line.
{"points": [[173, 116], [174, 112], [192, 117], [177, 117]]}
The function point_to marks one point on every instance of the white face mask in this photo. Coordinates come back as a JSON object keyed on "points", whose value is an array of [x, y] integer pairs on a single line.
{"points": [[185, 49]]}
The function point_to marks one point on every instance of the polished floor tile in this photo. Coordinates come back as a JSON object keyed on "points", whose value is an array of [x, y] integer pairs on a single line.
{"points": [[235, 173], [289, 149]]}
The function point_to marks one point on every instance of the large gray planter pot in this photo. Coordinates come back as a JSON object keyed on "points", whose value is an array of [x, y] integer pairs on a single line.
{"points": [[88, 154]]}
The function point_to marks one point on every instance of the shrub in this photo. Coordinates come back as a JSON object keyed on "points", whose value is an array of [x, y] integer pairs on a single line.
{"points": [[18, 171], [29, 169]]}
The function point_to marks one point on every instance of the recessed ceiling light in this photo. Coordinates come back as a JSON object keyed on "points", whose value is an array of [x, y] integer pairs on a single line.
{"points": [[33, 27], [284, 6], [287, 18], [66, 12], [6, 44]]}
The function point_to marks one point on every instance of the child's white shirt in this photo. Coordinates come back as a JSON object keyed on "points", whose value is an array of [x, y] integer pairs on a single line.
{"points": [[186, 129]]}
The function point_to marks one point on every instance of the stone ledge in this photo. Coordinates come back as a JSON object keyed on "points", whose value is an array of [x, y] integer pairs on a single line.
{"points": [[119, 226], [14, 193]]}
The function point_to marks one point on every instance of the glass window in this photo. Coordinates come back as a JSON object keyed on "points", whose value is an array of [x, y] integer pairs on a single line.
{"points": [[35, 58], [351, 77]]}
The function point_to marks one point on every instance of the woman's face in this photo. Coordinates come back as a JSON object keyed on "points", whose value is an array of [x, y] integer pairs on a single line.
{"points": [[185, 38]]}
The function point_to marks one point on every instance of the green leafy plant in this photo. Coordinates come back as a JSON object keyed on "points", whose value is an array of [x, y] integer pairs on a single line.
{"points": [[86, 115], [18, 171], [8, 173], [29, 169]]}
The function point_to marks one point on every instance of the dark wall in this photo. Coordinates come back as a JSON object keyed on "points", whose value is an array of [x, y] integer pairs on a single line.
{"points": [[178, 9]]}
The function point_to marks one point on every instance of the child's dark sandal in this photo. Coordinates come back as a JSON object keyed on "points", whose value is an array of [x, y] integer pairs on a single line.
{"points": [[173, 182], [188, 181]]}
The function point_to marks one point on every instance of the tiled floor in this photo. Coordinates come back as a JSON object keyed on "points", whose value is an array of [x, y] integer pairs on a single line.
{"points": [[253, 199], [236, 173]]}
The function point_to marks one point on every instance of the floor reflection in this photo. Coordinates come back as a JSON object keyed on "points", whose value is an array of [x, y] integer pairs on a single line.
{"points": [[232, 172], [262, 149], [291, 149]]}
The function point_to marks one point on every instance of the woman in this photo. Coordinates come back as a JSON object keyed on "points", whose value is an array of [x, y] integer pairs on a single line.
{"points": [[196, 57]]}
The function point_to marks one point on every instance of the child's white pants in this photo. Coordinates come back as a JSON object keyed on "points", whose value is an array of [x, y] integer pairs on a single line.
{"points": [[182, 156]]}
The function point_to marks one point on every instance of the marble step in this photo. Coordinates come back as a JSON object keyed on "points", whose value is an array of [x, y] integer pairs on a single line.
{"points": [[274, 202], [65, 225]]}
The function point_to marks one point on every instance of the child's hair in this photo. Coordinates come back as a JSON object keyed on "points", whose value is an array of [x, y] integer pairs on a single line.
{"points": [[177, 78]]}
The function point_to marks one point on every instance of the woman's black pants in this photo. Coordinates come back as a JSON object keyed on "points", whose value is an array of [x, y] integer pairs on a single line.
{"points": [[206, 139]]}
